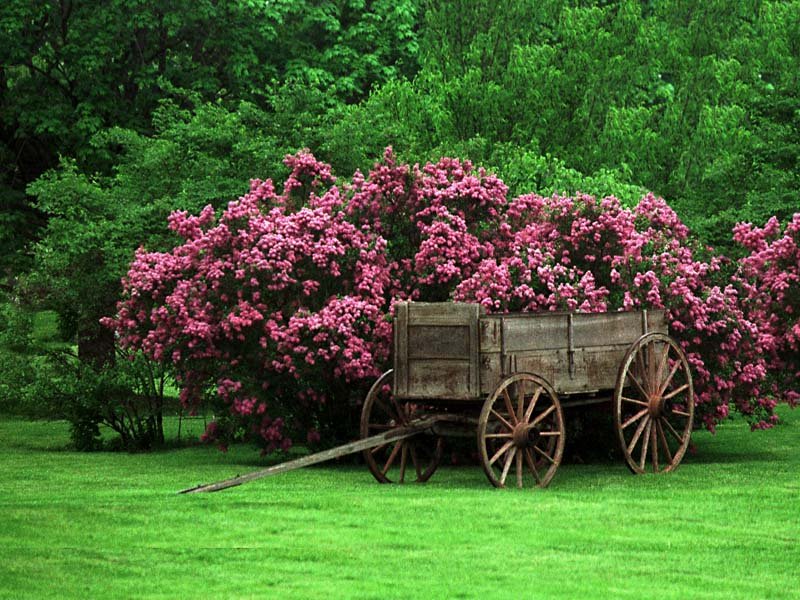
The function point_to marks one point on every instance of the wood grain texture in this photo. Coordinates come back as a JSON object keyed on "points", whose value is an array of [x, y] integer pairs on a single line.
{"points": [[437, 351], [450, 351]]}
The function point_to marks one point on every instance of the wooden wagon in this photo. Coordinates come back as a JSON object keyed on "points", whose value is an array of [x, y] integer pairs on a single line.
{"points": [[507, 378]]}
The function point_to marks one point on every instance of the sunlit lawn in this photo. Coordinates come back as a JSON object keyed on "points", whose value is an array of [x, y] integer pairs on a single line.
{"points": [[110, 525]]}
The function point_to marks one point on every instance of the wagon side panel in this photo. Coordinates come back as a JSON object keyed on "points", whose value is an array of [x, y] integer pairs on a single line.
{"points": [[437, 351], [576, 353]]}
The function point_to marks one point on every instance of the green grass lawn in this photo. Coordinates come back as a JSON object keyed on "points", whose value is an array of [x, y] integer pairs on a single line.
{"points": [[110, 525]]}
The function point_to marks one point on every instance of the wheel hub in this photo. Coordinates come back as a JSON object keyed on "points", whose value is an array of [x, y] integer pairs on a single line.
{"points": [[525, 435], [656, 406]]}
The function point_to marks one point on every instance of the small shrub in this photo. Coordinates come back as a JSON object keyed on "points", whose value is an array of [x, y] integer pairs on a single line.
{"points": [[126, 396]]}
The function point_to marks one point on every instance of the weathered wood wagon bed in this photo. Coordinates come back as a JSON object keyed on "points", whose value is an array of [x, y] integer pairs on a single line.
{"points": [[507, 379]]}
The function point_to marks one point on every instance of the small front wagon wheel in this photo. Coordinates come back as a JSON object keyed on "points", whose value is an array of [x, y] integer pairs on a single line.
{"points": [[521, 426], [394, 461], [654, 404]]}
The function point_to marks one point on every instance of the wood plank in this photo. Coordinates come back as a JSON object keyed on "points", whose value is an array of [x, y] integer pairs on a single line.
{"points": [[442, 313], [595, 368], [490, 371], [439, 379], [542, 331], [439, 341], [489, 333], [439, 357], [474, 354], [401, 349], [399, 433], [614, 328]]}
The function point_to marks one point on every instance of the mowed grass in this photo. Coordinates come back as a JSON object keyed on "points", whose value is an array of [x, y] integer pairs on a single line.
{"points": [[110, 525]]}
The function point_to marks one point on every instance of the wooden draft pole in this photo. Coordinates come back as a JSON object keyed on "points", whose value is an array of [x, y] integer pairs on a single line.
{"points": [[398, 433]]}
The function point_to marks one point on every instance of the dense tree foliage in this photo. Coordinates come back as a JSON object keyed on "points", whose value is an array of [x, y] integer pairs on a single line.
{"points": [[73, 69]]}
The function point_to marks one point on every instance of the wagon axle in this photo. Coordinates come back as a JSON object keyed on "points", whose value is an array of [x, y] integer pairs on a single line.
{"points": [[526, 435]]}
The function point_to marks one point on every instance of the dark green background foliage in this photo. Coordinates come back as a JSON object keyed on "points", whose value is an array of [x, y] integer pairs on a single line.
{"points": [[113, 114]]}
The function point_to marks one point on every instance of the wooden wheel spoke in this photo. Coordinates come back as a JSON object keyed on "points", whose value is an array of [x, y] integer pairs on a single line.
{"points": [[520, 400], [662, 363], [637, 385], [509, 407], [542, 416], [635, 418], [681, 413], [668, 380], [507, 466], [640, 365], [402, 417], [651, 367], [645, 445], [550, 433], [529, 410], [654, 446], [532, 465], [671, 429], [392, 456], [403, 461], [675, 392], [636, 435], [635, 401], [498, 435], [518, 458], [415, 461], [663, 439], [502, 419], [545, 455], [500, 452]]}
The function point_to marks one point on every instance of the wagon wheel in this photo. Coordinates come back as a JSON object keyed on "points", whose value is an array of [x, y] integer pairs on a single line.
{"points": [[521, 426], [654, 404], [391, 461]]}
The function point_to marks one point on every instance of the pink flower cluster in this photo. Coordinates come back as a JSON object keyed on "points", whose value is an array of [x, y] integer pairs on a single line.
{"points": [[279, 306], [770, 275]]}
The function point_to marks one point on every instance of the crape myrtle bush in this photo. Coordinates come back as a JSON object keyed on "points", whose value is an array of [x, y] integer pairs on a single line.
{"points": [[279, 308], [770, 275]]}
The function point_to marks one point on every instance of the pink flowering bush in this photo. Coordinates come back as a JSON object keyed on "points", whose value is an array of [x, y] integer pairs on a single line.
{"points": [[593, 255], [771, 279], [439, 220], [278, 309]]}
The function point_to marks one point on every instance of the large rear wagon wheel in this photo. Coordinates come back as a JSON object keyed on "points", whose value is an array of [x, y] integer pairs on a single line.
{"points": [[654, 404], [416, 457], [521, 431]]}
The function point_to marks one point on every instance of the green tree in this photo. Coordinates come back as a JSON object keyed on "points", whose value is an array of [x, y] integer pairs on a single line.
{"points": [[95, 223], [69, 70]]}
